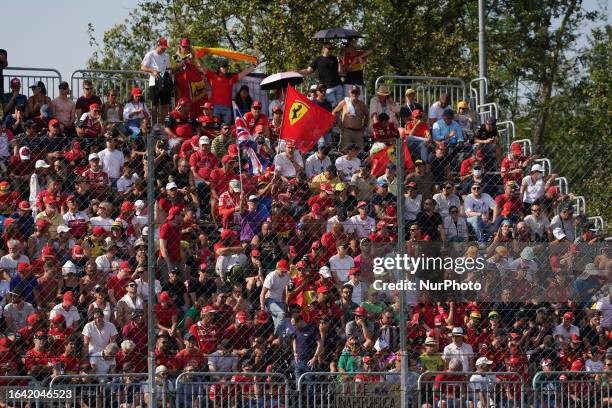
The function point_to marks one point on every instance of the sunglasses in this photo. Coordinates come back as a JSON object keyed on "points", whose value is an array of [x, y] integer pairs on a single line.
{"points": [[88, 89], [475, 188]]}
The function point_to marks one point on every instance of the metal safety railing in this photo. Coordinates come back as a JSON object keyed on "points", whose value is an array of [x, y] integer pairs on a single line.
{"points": [[428, 89], [105, 80], [14, 390], [572, 389], [109, 390], [579, 205], [355, 389], [525, 145], [599, 223], [223, 389], [486, 111], [478, 389], [507, 133], [546, 165], [475, 88], [30, 76]]}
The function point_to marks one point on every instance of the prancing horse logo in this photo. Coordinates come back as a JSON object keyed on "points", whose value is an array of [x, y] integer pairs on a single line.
{"points": [[297, 111]]}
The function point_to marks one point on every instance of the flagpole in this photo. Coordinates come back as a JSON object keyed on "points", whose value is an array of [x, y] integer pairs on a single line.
{"points": [[280, 136]]}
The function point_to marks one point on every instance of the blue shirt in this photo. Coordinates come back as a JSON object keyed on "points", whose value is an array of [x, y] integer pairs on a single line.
{"points": [[27, 286], [20, 100], [441, 130]]}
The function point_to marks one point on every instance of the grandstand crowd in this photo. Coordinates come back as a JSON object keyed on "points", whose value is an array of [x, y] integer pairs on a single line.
{"points": [[274, 273]]}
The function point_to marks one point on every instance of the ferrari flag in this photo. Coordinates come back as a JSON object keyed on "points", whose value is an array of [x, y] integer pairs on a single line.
{"points": [[381, 158], [304, 122]]}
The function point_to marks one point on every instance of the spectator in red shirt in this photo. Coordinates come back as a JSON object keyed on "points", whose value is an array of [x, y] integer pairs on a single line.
{"points": [[255, 118], [37, 361], [99, 182], [136, 330], [513, 165], [130, 356], [240, 333], [166, 315], [191, 355], [418, 134], [178, 123], [510, 201], [88, 98], [163, 353], [384, 130], [203, 161], [206, 333], [221, 89], [92, 121], [170, 239], [58, 334]]}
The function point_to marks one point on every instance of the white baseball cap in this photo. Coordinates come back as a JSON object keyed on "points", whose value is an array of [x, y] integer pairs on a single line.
{"points": [[537, 167], [483, 361], [234, 185], [204, 140], [41, 164], [457, 331], [325, 272], [24, 153], [63, 228], [69, 267], [93, 156], [171, 185]]}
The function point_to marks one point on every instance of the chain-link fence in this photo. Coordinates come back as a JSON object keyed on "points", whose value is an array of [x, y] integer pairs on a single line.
{"points": [[286, 276]]}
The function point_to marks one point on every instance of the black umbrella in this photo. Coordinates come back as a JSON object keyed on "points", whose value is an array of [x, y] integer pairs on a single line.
{"points": [[336, 33], [281, 80]]}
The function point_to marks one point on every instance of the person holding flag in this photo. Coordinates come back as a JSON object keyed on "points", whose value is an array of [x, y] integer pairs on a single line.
{"points": [[304, 122], [221, 83], [247, 142]]}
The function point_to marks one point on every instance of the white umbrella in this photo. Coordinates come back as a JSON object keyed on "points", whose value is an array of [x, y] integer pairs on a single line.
{"points": [[281, 80]]}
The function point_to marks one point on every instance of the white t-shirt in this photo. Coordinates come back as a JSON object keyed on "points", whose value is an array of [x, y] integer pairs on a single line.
{"points": [[98, 339], [341, 266], [223, 363], [482, 204], [71, 316], [103, 366], [143, 288], [10, 264], [106, 265], [346, 168], [276, 285], [443, 203], [283, 165], [565, 333], [464, 353], [123, 184], [112, 161], [412, 206], [348, 225], [435, 111], [105, 223], [315, 166], [605, 306], [363, 227], [455, 229], [479, 382], [534, 190], [594, 365], [158, 62], [537, 226]]}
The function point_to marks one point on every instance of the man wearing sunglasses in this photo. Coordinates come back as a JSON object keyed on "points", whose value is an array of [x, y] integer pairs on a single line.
{"points": [[478, 206], [63, 108], [255, 118], [87, 99]]}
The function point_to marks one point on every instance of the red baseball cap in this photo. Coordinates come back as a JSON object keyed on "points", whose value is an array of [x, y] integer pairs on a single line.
{"points": [[568, 316], [261, 317], [208, 309], [552, 190], [354, 271], [165, 297], [98, 231], [577, 365], [50, 199], [283, 265], [208, 105], [78, 252], [417, 113], [185, 42], [127, 206], [94, 106], [174, 211], [516, 148], [241, 317], [575, 338], [33, 318], [68, 298], [58, 318], [8, 221], [300, 264], [514, 361], [54, 122], [136, 92], [256, 104], [360, 311], [25, 205], [42, 224], [255, 253], [276, 108], [48, 252], [362, 204], [125, 266], [162, 42]]}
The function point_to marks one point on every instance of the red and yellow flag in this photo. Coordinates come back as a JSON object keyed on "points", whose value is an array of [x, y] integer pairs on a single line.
{"points": [[304, 122], [222, 52], [385, 156]]}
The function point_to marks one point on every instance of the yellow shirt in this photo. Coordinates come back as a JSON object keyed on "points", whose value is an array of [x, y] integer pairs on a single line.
{"points": [[55, 221]]}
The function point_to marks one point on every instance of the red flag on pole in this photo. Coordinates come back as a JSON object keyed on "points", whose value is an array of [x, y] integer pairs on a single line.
{"points": [[304, 122], [385, 156]]}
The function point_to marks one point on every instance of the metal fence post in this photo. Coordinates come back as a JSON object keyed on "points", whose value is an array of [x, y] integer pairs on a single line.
{"points": [[151, 260], [401, 249]]}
